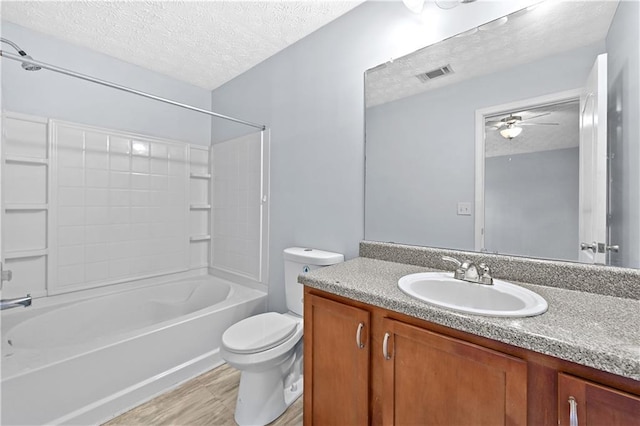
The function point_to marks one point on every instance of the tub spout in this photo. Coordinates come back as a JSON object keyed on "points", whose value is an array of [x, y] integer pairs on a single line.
{"points": [[14, 303]]}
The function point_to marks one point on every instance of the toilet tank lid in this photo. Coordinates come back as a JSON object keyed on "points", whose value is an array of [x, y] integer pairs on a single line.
{"points": [[312, 256]]}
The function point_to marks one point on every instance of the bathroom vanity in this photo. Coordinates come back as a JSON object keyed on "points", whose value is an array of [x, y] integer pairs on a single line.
{"points": [[374, 355]]}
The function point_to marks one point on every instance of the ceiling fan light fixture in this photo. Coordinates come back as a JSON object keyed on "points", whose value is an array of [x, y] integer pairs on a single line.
{"points": [[511, 131]]}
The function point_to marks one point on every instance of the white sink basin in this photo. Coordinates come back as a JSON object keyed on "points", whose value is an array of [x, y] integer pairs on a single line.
{"points": [[502, 299]]}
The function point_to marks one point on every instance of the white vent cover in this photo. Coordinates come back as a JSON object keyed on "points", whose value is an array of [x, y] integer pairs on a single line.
{"points": [[438, 72]]}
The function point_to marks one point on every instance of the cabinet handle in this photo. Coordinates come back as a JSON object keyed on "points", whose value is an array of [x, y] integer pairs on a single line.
{"points": [[359, 336], [385, 346], [573, 412]]}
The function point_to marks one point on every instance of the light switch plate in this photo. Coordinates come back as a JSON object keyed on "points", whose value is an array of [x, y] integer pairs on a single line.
{"points": [[464, 208]]}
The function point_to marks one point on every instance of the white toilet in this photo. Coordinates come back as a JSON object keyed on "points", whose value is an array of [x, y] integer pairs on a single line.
{"points": [[267, 348]]}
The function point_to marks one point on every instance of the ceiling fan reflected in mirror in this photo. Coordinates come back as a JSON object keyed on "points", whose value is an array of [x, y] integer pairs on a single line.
{"points": [[511, 131], [509, 126]]}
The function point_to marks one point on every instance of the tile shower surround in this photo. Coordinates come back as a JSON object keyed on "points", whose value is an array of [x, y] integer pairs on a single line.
{"points": [[85, 206], [121, 205], [608, 281], [236, 214]]}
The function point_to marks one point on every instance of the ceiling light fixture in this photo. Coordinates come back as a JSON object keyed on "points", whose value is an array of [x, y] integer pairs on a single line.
{"points": [[511, 131]]}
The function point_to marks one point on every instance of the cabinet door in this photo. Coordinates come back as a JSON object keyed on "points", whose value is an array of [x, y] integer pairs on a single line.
{"points": [[595, 404], [431, 379], [336, 363]]}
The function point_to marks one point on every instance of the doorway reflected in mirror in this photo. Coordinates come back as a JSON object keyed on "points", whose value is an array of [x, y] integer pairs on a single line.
{"points": [[532, 178]]}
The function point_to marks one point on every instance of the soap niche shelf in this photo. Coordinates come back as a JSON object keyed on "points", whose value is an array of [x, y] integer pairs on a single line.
{"points": [[195, 175], [199, 205], [25, 203]]}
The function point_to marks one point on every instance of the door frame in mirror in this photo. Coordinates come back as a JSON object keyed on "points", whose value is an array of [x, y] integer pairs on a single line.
{"points": [[480, 115]]}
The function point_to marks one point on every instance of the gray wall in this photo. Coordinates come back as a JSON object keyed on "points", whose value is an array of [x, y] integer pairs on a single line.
{"points": [[624, 133], [311, 96], [48, 94], [540, 190], [421, 150]]}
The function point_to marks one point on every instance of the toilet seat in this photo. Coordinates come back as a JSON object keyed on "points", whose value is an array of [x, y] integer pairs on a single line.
{"points": [[259, 333]]}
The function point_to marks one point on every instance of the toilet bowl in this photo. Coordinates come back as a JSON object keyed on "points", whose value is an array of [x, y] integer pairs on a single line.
{"points": [[271, 379], [267, 348]]}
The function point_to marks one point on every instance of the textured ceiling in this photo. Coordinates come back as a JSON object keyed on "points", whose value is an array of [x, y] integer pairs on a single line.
{"points": [[205, 43], [526, 36]]}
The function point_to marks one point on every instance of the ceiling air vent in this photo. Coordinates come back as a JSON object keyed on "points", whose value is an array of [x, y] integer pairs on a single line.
{"points": [[438, 72]]}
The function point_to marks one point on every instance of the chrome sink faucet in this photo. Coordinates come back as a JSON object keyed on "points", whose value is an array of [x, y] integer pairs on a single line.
{"points": [[469, 271]]}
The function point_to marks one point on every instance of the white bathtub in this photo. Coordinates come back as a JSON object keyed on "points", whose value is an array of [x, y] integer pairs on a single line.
{"points": [[86, 361]]}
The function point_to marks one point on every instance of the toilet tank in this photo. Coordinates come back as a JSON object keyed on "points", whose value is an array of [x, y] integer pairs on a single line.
{"points": [[300, 260]]}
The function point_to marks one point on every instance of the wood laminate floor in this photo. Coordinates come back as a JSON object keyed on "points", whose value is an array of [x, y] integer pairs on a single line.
{"points": [[209, 399]]}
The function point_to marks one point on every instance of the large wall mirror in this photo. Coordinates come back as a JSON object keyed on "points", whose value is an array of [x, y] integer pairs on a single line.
{"points": [[517, 137]]}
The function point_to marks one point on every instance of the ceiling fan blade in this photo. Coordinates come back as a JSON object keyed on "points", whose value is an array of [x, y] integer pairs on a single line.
{"points": [[495, 124], [535, 116], [538, 124]]}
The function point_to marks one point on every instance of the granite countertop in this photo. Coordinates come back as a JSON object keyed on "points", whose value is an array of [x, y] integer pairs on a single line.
{"points": [[595, 330]]}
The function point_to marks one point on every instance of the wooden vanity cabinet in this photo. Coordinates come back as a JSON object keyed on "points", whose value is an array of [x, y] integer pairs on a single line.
{"points": [[336, 363], [429, 378], [595, 404], [405, 371]]}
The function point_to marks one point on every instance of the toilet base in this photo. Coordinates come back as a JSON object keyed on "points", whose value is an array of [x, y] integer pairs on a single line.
{"points": [[258, 403]]}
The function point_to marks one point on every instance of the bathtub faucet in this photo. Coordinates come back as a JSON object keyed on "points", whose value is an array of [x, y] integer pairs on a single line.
{"points": [[14, 303]]}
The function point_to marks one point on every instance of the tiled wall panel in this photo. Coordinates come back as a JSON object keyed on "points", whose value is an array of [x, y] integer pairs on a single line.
{"points": [[237, 213], [121, 207], [85, 207]]}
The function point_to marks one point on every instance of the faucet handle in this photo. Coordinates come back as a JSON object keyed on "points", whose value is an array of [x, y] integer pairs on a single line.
{"points": [[459, 272], [485, 274], [453, 260]]}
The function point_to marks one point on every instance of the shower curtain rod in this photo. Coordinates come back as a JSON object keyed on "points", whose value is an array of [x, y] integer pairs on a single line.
{"points": [[125, 89]]}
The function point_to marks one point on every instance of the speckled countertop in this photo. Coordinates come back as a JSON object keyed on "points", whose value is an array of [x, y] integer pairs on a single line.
{"points": [[595, 330]]}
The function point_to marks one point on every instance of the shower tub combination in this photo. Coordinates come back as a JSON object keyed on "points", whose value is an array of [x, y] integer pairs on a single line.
{"points": [[82, 359], [85, 361]]}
